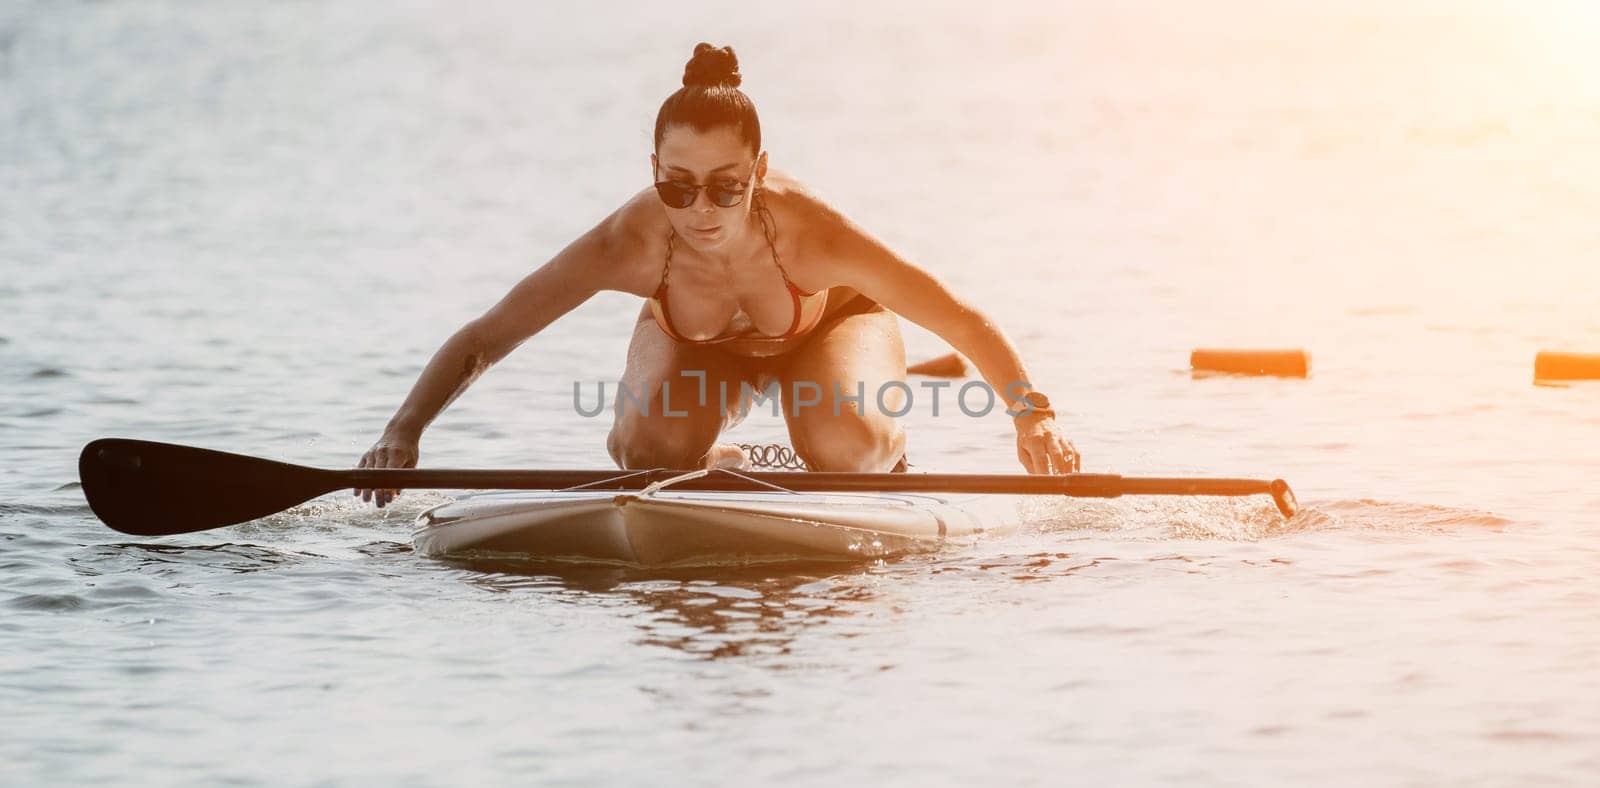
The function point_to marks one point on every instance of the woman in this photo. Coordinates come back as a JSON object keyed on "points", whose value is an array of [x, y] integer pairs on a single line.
{"points": [[748, 279]]}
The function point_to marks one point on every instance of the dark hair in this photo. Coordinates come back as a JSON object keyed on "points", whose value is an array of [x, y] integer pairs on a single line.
{"points": [[710, 97]]}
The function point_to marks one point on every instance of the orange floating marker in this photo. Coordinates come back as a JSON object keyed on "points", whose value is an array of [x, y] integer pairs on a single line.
{"points": [[1280, 363], [950, 365], [1550, 365]]}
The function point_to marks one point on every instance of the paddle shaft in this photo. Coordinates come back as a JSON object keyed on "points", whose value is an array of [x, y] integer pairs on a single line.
{"points": [[1077, 485], [150, 489]]}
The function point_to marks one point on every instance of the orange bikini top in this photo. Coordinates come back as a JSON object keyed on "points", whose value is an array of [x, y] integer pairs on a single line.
{"points": [[808, 308]]}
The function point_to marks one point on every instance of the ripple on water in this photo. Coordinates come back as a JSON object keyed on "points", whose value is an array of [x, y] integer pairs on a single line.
{"points": [[163, 560], [28, 542], [123, 589], [47, 603], [108, 399], [1520, 735], [46, 510], [96, 594], [1397, 517]]}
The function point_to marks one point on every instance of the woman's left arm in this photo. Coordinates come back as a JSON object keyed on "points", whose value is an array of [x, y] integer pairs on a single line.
{"points": [[849, 256]]}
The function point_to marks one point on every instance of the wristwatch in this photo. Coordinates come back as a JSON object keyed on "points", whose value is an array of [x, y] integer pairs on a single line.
{"points": [[1038, 404]]}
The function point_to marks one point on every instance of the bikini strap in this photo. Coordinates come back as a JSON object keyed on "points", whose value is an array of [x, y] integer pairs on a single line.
{"points": [[666, 268], [769, 228]]}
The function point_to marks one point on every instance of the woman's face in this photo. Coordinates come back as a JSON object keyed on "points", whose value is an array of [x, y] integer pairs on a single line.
{"points": [[716, 158]]}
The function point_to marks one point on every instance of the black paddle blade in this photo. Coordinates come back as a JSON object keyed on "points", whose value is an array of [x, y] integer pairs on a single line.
{"points": [[155, 489]]}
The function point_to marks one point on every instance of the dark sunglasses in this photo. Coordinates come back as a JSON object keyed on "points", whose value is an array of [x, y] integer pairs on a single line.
{"points": [[682, 195]]}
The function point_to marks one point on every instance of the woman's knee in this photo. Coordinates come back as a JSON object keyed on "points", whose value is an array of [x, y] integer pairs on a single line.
{"points": [[657, 445], [675, 440], [658, 429], [850, 443]]}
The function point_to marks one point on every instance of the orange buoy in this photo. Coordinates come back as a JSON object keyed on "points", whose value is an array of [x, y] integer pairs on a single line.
{"points": [[1281, 363], [949, 365], [1550, 365]]}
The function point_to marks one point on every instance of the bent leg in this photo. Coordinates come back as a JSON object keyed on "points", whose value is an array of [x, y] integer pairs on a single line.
{"points": [[858, 353], [666, 414]]}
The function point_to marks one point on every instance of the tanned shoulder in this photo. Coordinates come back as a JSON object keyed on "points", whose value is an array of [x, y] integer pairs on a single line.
{"points": [[634, 244], [813, 222], [826, 248]]}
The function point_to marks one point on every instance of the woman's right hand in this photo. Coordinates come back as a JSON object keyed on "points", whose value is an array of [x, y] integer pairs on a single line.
{"points": [[389, 452]]}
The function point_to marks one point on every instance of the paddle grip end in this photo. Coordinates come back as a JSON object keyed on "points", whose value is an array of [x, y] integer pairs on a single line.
{"points": [[1284, 498]]}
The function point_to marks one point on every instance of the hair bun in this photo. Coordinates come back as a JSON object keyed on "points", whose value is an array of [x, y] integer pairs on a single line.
{"points": [[712, 67]]}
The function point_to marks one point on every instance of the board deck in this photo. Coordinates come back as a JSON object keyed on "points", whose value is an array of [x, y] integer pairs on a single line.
{"points": [[679, 528]]}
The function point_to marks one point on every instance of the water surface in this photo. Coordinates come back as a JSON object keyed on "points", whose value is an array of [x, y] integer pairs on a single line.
{"points": [[247, 227]]}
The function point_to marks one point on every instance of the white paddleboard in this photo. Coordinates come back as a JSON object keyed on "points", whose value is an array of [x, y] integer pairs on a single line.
{"points": [[688, 528]]}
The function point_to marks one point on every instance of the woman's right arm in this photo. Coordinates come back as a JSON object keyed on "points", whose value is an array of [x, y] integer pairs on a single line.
{"points": [[584, 268]]}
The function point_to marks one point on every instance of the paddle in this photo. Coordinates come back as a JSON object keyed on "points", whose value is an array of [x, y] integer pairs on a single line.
{"points": [[157, 489]]}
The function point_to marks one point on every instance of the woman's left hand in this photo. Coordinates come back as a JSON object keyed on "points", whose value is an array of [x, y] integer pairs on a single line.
{"points": [[1043, 447]]}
